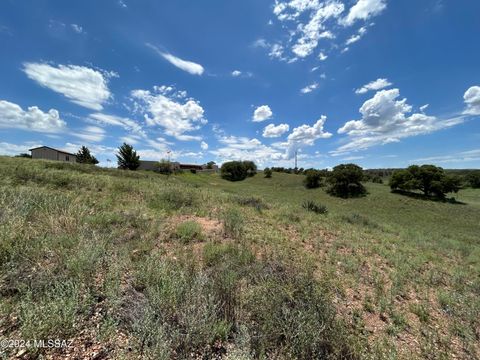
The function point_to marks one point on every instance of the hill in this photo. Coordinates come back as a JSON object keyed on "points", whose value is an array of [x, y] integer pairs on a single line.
{"points": [[140, 265]]}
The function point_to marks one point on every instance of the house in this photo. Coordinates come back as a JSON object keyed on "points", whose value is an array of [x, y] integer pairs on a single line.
{"points": [[48, 153], [152, 165]]}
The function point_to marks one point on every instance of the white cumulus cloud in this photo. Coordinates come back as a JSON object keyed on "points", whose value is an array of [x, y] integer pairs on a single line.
{"points": [[472, 99], [204, 145], [81, 85], [272, 131], [364, 10], [236, 73], [262, 113], [306, 135], [374, 85], [12, 116], [185, 65], [177, 116], [386, 119]]}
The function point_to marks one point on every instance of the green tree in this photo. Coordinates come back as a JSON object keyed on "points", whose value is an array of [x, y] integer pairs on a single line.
{"points": [[234, 171], [345, 181], [24, 155], [84, 156], [164, 167], [430, 179], [251, 167], [127, 157], [267, 172], [473, 179], [210, 164], [313, 179]]}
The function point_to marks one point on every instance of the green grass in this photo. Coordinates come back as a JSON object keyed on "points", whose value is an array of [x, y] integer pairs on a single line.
{"points": [[123, 261]]}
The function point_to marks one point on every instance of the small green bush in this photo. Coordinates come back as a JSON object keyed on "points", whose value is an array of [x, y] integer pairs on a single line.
{"points": [[188, 231], [233, 223], [313, 179], [268, 173], [314, 207], [252, 201], [174, 199]]}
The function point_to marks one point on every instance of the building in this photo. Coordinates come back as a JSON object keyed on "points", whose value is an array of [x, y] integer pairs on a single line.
{"points": [[152, 165], [48, 153]]}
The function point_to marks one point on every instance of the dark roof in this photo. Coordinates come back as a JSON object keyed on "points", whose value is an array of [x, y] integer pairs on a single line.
{"points": [[48, 147]]}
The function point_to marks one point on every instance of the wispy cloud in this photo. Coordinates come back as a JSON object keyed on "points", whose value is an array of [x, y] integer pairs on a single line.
{"points": [[185, 65]]}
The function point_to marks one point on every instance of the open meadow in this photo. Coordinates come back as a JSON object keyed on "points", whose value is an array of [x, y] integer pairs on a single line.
{"points": [[128, 265]]}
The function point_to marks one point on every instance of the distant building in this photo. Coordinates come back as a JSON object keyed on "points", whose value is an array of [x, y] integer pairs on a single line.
{"points": [[48, 153], [147, 165], [152, 165]]}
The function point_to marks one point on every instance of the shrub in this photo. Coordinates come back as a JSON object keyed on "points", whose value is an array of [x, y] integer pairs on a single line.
{"points": [[127, 158], [188, 231], [210, 165], [250, 167], [252, 201], [268, 173], [358, 219], [233, 224], [314, 207], [313, 179], [345, 181], [84, 156], [164, 167], [233, 171], [173, 199], [377, 180], [473, 179], [429, 179]]}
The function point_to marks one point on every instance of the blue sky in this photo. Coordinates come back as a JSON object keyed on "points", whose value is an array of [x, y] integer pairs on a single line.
{"points": [[381, 83]]}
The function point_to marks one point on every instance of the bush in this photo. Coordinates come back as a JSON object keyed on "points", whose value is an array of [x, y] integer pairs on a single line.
{"points": [[473, 179], [173, 199], [345, 181], [313, 179], [233, 224], [268, 173], [250, 167], [429, 179], [314, 207], [164, 167], [233, 171], [255, 202], [127, 158], [188, 231]]}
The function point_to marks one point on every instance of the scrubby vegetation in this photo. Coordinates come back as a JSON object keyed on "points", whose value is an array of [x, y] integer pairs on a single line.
{"points": [[430, 179], [313, 206], [267, 172], [131, 265], [238, 170], [313, 179], [346, 181]]}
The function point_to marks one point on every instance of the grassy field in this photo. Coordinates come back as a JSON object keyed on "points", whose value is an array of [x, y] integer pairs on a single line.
{"points": [[128, 265]]}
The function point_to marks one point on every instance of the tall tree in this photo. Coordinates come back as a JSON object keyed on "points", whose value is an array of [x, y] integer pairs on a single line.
{"points": [[84, 156], [127, 157]]}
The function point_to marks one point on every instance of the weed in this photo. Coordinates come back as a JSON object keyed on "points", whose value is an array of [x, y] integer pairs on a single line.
{"points": [[314, 207], [188, 231], [233, 223]]}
